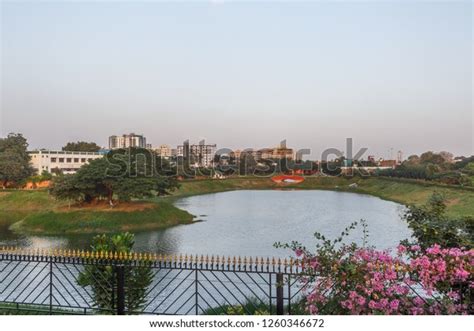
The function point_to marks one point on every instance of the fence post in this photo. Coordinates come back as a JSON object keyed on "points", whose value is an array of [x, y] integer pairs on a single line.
{"points": [[50, 285], [279, 294], [120, 290], [196, 289]]}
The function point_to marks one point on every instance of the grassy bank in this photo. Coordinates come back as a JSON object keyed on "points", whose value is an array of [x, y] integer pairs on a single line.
{"points": [[38, 213]]}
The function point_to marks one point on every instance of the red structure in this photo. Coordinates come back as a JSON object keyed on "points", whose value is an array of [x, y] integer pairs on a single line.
{"points": [[282, 179]]}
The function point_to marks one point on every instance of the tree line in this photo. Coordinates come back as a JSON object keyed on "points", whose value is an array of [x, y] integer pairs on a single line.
{"points": [[439, 167]]}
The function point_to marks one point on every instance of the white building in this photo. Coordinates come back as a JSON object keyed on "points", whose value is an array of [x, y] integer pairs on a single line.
{"points": [[67, 162], [127, 140], [201, 153]]}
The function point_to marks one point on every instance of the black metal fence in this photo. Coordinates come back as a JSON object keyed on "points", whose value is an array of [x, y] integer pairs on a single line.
{"points": [[78, 282]]}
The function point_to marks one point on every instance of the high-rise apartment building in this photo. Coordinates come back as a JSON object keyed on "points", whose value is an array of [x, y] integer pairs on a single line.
{"points": [[127, 140], [200, 154]]}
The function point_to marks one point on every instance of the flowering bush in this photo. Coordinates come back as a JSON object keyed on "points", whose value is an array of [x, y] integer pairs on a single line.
{"points": [[347, 279]]}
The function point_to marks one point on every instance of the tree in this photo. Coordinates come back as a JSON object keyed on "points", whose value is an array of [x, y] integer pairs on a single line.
{"points": [[247, 164], [469, 168], [100, 277], [122, 175], [431, 226], [413, 159], [430, 157], [81, 146], [14, 159], [64, 188], [447, 156]]}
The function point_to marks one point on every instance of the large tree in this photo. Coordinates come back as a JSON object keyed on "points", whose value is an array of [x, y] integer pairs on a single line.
{"points": [[431, 157], [120, 176], [14, 159], [81, 146], [64, 188]]}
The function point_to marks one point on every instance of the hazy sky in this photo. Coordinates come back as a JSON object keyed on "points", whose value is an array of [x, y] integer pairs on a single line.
{"points": [[389, 75]]}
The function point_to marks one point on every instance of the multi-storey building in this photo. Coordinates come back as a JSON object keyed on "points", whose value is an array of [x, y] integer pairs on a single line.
{"points": [[280, 152], [61, 161], [127, 140], [164, 151], [201, 154]]}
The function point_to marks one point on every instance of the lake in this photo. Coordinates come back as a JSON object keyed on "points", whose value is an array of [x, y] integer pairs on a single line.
{"points": [[249, 222]]}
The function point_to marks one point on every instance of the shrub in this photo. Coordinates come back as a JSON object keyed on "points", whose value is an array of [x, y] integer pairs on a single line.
{"points": [[341, 278], [102, 278]]}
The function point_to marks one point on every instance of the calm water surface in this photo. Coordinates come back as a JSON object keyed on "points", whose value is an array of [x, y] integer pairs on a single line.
{"points": [[247, 223]]}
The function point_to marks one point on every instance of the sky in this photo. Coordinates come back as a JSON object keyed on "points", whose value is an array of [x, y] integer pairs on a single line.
{"points": [[392, 76]]}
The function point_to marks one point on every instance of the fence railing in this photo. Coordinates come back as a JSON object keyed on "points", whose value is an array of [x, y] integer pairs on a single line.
{"points": [[81, 282]]}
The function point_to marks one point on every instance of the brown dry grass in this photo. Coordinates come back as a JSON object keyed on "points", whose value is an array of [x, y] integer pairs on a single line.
{"points": [[104, 206]]}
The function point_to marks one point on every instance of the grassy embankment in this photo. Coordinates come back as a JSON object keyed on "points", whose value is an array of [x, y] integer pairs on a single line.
{"points": [[37, 212]]}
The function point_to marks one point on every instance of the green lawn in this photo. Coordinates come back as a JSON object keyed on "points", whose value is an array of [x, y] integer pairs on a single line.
{"points": [[38, 212], [162, 215]]}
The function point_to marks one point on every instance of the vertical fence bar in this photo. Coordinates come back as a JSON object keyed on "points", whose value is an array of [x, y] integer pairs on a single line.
{"points": [[279, 294], [289, 295], [270, 293], [50, 285], [196, 289], [120, 290]]}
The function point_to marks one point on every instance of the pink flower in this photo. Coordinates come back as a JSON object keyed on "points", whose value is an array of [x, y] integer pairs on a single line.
{"points": [[312, 309], [394, 304], [352, 294], [418, 301], [461, 274], [371, 281], [361, 301], [401, 249], [415, 248], [383, 303], [372, 304], [435, 249]]}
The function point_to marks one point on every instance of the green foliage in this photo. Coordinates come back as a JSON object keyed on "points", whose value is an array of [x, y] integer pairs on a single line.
{"points": [[14, 160], [122, 175], [102, 278], [40, 178], [433, 167], [252, 306], [432, 158], [469, 167], [331, 257], [81, 146], [329, 251], [430, 225], [64, 188]]}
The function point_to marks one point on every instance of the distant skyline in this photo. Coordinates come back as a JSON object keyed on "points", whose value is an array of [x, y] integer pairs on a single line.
{"points": [[241, 75]]}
